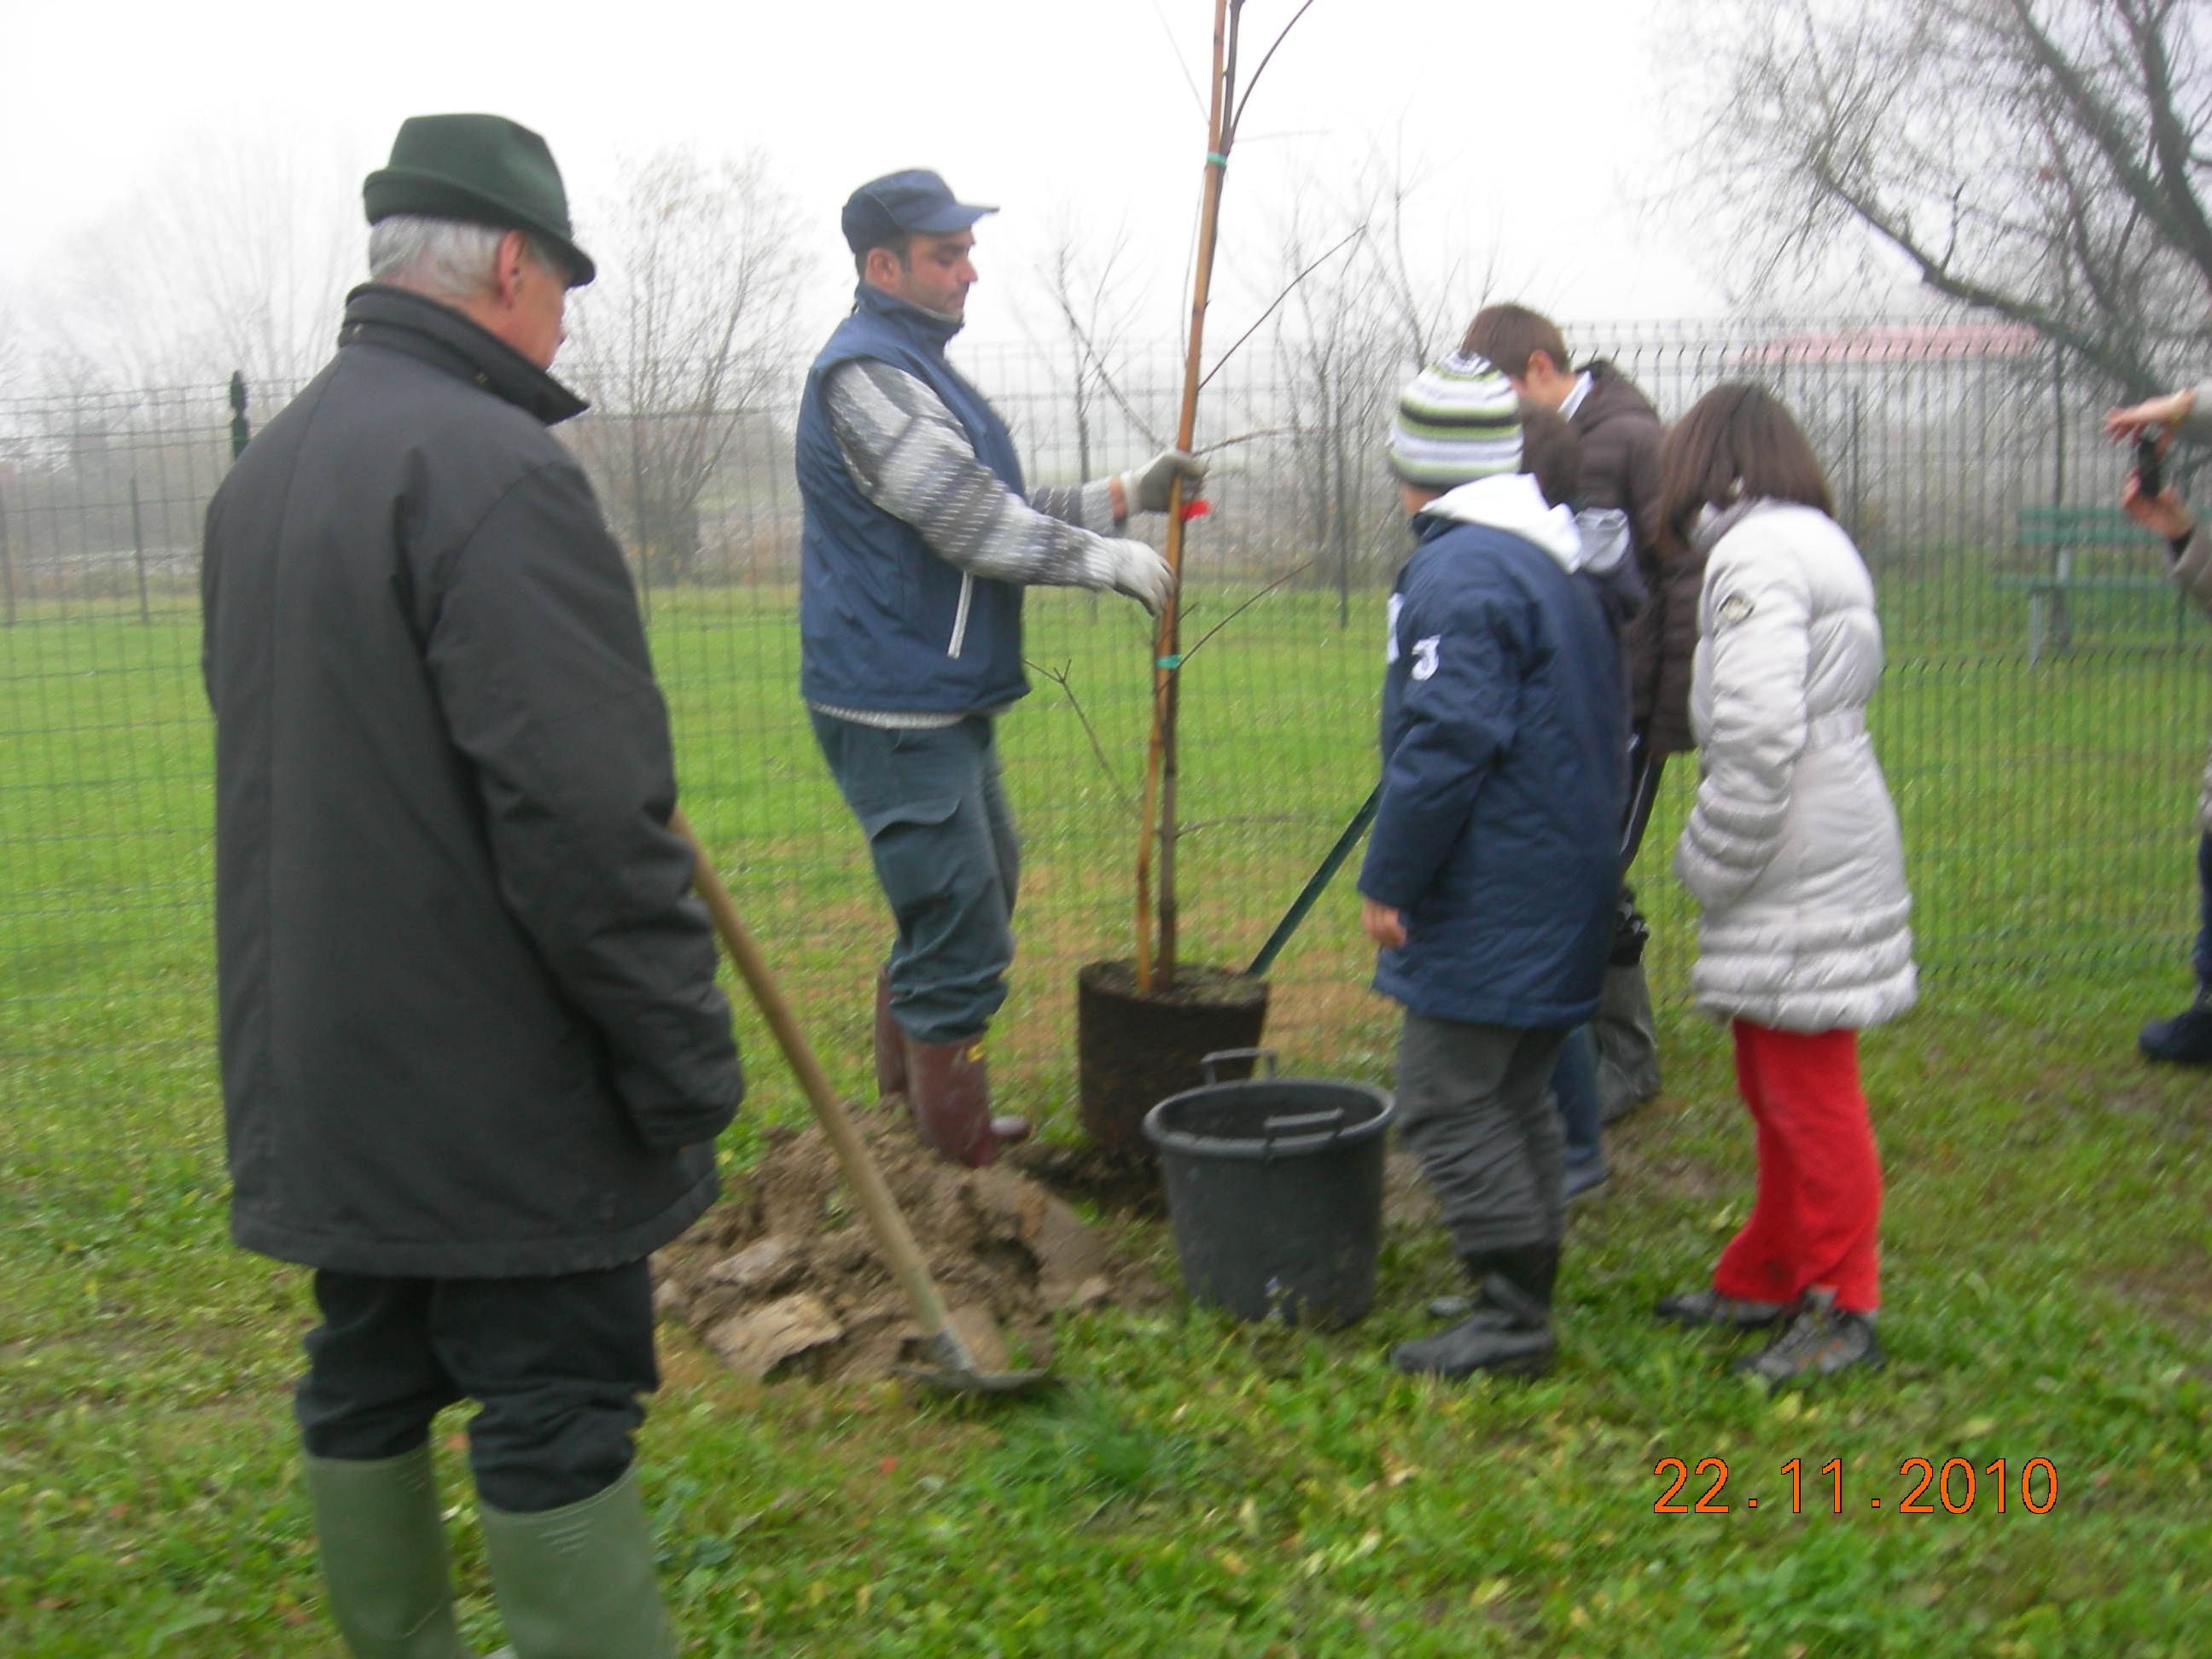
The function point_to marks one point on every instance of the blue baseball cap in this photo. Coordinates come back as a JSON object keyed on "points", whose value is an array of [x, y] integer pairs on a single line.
{"points": [[899, 204]]}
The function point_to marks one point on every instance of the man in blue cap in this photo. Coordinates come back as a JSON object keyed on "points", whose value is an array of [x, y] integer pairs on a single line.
{"points": [[920, 538]]}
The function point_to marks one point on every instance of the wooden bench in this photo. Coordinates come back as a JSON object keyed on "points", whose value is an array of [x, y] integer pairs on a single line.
{"points": [[2065, 530]]}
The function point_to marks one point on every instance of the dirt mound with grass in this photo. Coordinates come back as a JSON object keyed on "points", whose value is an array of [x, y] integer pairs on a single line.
{"points": [[782, 1276]]}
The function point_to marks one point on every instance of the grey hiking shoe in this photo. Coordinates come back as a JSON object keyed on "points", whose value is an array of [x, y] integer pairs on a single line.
{"points": [[1710, 1307], [1821, 1341]]}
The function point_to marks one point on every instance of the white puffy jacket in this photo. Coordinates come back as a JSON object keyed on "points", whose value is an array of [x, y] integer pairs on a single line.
{"points": [[1791, 850]]}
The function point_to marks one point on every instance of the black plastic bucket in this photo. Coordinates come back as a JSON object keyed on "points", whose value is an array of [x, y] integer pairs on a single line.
{"points": [[1275, 1192]]}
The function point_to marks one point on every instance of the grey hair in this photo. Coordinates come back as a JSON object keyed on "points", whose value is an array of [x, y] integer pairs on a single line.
{"points": [[445, 259]]}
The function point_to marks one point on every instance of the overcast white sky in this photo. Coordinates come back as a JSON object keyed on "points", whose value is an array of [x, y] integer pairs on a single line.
{"points": [[1537, 125]]}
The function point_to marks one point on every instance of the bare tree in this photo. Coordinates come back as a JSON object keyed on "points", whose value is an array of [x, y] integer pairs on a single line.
{"points": [[1337, 344], [1360, 307], [689, 334], [1091, 308], [14, 352], [234, 255], [2039, 159]]}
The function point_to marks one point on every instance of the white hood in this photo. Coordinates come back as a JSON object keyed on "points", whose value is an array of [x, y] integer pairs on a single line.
{"points": [[1511, 502]]}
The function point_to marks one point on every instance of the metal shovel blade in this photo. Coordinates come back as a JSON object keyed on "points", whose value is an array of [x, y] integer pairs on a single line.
{"points": [[952, 1370]]}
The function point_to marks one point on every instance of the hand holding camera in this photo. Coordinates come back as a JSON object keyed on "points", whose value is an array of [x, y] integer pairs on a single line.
{"points": [[2144, 495]]}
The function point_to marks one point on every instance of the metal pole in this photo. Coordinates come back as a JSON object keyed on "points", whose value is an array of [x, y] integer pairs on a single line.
{"points": [[7, 562], [2062, 624], [1316, 884], [240, 432], [138, 550]]}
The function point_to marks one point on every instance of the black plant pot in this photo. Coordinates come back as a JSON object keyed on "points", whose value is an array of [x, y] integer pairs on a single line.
{"points": [[1134, 1050]]}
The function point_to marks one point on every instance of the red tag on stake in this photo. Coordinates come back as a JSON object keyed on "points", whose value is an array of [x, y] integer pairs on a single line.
{"points": [[1197, 509]]}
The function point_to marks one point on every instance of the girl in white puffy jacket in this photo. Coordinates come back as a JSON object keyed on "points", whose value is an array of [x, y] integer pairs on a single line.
{"points": [[1792, 854]]}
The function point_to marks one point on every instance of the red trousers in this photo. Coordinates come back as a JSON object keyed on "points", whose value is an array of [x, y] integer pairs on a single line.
{"points": [[1813, 1224]]}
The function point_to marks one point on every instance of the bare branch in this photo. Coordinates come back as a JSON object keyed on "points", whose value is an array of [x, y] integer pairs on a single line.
{"points": [[1060, 679], [1278, 582], [1357, 232], [1237, 119]]}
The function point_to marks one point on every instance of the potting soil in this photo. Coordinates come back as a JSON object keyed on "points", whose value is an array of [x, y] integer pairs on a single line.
{"points": [[783, 1277]]}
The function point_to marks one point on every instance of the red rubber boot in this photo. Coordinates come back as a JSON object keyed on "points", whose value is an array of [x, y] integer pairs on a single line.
{"points": [[950, 1092]]}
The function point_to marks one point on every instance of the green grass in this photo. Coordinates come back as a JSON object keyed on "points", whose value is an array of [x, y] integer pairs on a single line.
{"points": [[1199, 1488]]}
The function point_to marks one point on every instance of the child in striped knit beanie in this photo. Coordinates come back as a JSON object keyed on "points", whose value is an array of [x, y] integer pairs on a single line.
{"points": [[1456, 422], [1492, 867]]}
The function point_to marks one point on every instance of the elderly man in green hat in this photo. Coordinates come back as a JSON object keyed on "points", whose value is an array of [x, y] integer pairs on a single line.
{"points": [[473, 1058]]}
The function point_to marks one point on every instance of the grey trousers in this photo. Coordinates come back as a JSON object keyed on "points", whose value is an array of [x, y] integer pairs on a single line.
{"points": [[1474, 1106], [1628, 1042], [947, 859]]}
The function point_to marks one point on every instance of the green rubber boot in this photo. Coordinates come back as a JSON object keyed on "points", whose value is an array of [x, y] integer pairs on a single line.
{"points": [[383, 1550], [576, 1582]]}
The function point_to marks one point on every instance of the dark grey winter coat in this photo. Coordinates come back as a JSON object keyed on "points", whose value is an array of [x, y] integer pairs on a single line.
{"points": [[469, 1021], [1621, 435]]}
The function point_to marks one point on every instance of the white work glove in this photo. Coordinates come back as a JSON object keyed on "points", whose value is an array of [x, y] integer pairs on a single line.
{"points": [[1145, 488], [1140, 572]]}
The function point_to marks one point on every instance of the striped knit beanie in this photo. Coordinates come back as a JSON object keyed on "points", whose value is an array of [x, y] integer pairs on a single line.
{"points": [[1457, 421]]}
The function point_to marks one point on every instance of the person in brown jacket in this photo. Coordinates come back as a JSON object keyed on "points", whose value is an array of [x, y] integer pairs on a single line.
{"points": [[1620, 433]]}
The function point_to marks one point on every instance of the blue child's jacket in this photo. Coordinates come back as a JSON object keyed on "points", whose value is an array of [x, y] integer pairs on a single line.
{"points": [[1503, 734]]}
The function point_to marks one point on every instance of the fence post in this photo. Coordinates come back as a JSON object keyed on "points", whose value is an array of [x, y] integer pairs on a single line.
{"points": [[138, 549], [239, 431], [2060, 630], [7, 562]]}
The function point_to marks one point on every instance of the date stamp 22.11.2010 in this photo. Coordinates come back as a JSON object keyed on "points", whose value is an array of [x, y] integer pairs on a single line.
{"points": [[1955, 1484]]}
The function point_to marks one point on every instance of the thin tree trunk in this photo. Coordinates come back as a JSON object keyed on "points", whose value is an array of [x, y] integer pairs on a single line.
{"points": [[1160, 765]]}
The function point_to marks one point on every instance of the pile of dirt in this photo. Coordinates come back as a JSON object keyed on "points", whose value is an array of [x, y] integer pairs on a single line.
{"points": [[783, 1276], [1124, 1182]]}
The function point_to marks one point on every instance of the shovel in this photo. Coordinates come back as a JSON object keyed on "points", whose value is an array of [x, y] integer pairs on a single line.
{"points": [[952, 1368]]}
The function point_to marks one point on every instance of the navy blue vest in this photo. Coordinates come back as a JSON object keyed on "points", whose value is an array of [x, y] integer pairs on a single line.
{"points": [[884, 623]]}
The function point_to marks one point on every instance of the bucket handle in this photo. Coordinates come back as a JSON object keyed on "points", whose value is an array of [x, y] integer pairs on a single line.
{"points": [[1289, 1125], [1208, 1062]]}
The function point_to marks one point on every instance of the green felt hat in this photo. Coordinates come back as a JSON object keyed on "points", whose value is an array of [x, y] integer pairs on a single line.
{"points": [[481, 170]]}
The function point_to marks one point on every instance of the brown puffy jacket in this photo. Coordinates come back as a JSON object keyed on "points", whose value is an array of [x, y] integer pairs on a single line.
{"points": [[1620, 435]]}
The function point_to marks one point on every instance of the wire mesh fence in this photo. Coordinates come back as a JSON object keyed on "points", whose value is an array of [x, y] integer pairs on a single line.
{"points": [[2039, 722]]}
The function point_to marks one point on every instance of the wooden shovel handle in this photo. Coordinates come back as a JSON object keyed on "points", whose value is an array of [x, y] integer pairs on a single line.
{"points": [[882, 1211]]}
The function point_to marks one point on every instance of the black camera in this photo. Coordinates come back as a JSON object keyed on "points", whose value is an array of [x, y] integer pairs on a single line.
{"points": [[2150, 480]]}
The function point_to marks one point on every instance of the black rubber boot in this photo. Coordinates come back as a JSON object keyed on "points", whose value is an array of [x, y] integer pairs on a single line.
{"points": [[1507, 1333], [2185, 1040], [1532, 1267]]}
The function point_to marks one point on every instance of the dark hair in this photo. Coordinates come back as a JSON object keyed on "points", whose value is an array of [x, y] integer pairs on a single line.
{"points": [[1508, 336], [1551, 451], [900, 245], [1737, 443]]}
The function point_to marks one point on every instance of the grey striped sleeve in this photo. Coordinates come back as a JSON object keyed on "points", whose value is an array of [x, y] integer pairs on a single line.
{"points": [[910, 455]]}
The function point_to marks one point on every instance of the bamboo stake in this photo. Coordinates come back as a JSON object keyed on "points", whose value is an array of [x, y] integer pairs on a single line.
{"points": [[1158, 817]]}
